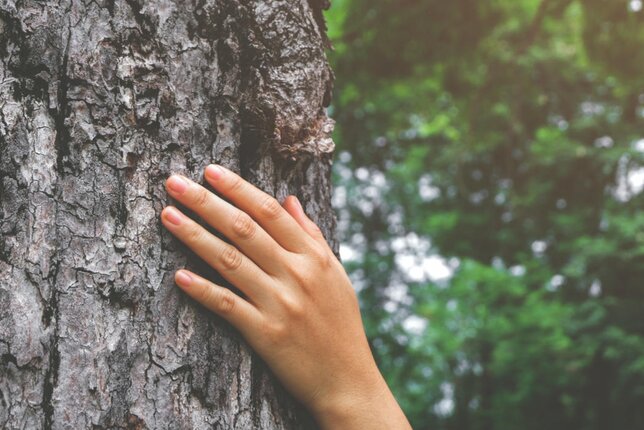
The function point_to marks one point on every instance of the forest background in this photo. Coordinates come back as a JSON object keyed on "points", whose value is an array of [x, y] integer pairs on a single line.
{"points": [[489, 181]]}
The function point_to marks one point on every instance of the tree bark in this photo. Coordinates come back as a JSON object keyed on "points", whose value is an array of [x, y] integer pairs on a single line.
{"points": [[100, 101]]}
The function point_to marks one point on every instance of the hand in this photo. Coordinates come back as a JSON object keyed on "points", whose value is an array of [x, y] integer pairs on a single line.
{"points": [[300, 312]]}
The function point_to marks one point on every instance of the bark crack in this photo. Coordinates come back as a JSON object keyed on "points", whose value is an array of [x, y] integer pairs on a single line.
{"points": [[62, 134], [51, 312], [51, 376]]}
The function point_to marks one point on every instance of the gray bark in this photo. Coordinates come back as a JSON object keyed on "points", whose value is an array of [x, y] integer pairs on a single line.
{"points": [[99, 102]]}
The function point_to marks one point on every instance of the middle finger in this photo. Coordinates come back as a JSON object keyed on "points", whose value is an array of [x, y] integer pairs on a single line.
{"points": [[235, 224]]}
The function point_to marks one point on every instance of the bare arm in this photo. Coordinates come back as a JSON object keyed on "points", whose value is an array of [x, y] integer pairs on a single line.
{"points": [[300, 312]]}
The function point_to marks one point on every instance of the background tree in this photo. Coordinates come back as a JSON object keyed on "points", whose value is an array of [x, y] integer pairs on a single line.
{"points": [[490, 195], [99, 102]]}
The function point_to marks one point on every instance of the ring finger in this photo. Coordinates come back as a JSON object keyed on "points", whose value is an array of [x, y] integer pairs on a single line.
{"points": [[223, 257]]}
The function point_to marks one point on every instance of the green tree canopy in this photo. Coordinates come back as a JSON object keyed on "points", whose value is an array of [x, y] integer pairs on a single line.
{"points": [[489, 185]]}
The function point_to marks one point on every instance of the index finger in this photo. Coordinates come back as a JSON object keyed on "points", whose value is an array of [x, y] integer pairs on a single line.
{"points": [[263, 208]]}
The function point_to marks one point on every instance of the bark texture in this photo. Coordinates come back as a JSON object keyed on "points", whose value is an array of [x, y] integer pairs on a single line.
{"points": [[100, 100]]}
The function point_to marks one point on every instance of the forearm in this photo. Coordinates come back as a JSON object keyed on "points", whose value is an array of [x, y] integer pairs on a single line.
{"points": [[359, 398], [375, 408]]}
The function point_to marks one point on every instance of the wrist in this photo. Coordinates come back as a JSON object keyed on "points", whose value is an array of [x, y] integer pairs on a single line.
{"points": [[368, 405]]}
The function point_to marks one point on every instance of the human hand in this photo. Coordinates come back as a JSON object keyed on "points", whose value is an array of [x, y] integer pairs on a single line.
{"points": [[300, 312]]}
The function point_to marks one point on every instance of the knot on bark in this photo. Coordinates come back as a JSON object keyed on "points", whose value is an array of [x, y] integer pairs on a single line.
{"points": [[312, 139]]}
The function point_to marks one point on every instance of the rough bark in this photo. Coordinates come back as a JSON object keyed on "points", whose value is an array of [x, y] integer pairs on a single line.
{"points": [[99, 102]]}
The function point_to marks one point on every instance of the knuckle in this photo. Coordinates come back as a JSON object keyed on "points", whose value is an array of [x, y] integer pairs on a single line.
{"points": [[270, 208], [236, 184], [207, 296], [306, 272], [243, 226], [276, 332], [300, 274], [315, 229], [226, 302], [293, 307], [194, 235], [201, 198], [321, 258], [231, 258]]}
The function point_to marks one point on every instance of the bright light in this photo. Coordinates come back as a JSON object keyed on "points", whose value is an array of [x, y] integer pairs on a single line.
{"points": [[415, 325], [347, 253], [539, 247], [445, 406], [639, 145], [635, 5], [556, 282], [630, 180], [595, 288]]}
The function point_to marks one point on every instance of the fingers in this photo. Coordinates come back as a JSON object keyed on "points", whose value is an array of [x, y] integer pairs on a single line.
{"points": [[223, 257], [220, 300], [263, 208], [294, 208], [238, 226]]}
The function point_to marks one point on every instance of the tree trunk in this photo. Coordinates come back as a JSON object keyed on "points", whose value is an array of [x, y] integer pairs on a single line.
{"points": [[99, 102]]}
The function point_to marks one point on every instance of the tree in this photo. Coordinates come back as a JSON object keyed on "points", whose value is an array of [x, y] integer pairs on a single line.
{"points": [[99, 102]]}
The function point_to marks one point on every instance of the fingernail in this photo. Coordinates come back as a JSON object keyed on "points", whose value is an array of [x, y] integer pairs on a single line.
{"points": [[177, 184], [182, 278], [297, 201], [172, 215], [214, 172]]}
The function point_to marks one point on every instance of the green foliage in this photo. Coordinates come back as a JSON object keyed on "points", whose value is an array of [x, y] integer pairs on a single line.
{"points": [[489, 187]]}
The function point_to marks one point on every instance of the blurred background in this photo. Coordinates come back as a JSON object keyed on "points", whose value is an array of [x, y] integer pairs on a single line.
{"points": [[488, 182]]}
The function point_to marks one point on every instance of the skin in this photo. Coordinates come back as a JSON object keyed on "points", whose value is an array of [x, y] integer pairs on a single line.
{"points": [[299, 310]]}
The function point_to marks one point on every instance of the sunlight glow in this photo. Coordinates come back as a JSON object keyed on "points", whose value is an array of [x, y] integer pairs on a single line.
{"points": [[630, 180]]}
